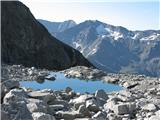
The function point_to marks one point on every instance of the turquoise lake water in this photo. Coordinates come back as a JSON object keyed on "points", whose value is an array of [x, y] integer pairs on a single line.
{"points": [[77, 85]]}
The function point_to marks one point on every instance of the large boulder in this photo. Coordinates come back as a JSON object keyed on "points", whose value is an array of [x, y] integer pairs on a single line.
{"points": [[80, 100], [17, 111], [124, 108], [92, 105], [37, 106], [101, 94], [15, 96], [7, 85], [149, 107], [83, 110], [120, 108]]}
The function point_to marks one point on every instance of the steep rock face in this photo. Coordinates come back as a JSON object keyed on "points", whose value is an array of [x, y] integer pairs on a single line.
{"points": [[25, 41]]}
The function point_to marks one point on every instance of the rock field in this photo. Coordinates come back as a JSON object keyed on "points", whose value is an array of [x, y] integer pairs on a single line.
{"points": [[140, 100]]}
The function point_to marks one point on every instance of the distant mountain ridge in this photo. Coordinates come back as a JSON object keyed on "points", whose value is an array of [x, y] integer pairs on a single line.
{"points": [[25, 41], [55, 27], [115, 48]]}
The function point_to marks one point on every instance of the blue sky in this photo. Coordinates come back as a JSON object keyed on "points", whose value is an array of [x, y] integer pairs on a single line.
{"points": [[134, 15]]}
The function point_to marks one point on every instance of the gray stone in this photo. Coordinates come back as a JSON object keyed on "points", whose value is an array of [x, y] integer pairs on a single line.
{"points": [[10, 84], [54, 108], [77, 105], [130, 85], [101, 94], [72, 94], [42, 95], [65, 96], [7, 85], [92, 105], [37, 107], [60, 102], [157, 113], [99, 116], [42, 116], [110, 79], [149, 107], [149, 114], [14, 96], [121, 108], [109, 105], [74, 73], [30, 72], [123, 98], [79, 100], [69, 115], [124, 108], [113, 116], [68, 89], [154, 117], [17, 111], [51, 78], [83, 110], [40, 78]]}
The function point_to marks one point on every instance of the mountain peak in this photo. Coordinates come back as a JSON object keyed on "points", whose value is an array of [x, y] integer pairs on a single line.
{"points": [[92, 22], [70, 21]]}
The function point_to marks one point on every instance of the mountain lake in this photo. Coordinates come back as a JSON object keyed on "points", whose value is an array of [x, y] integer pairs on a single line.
{"points": [[78, 85]]}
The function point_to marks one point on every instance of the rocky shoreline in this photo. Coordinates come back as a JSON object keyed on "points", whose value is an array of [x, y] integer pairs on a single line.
{"points": [[139, 101]]}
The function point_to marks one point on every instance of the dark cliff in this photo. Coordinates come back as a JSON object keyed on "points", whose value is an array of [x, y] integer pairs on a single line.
{"points": [[26, 41]]}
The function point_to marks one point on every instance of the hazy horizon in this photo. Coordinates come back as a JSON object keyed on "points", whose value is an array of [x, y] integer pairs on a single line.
{"points": [[132, 15]]}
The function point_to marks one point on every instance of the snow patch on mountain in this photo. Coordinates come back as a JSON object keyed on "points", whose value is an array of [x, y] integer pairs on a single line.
{"points": [[103, 36], [151, 37], [77, 45], [116, 35], [135, 36], [101, 30], [104, 31]]}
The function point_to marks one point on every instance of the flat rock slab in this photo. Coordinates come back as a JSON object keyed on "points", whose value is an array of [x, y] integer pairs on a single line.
{"points": [[46, 96]]}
